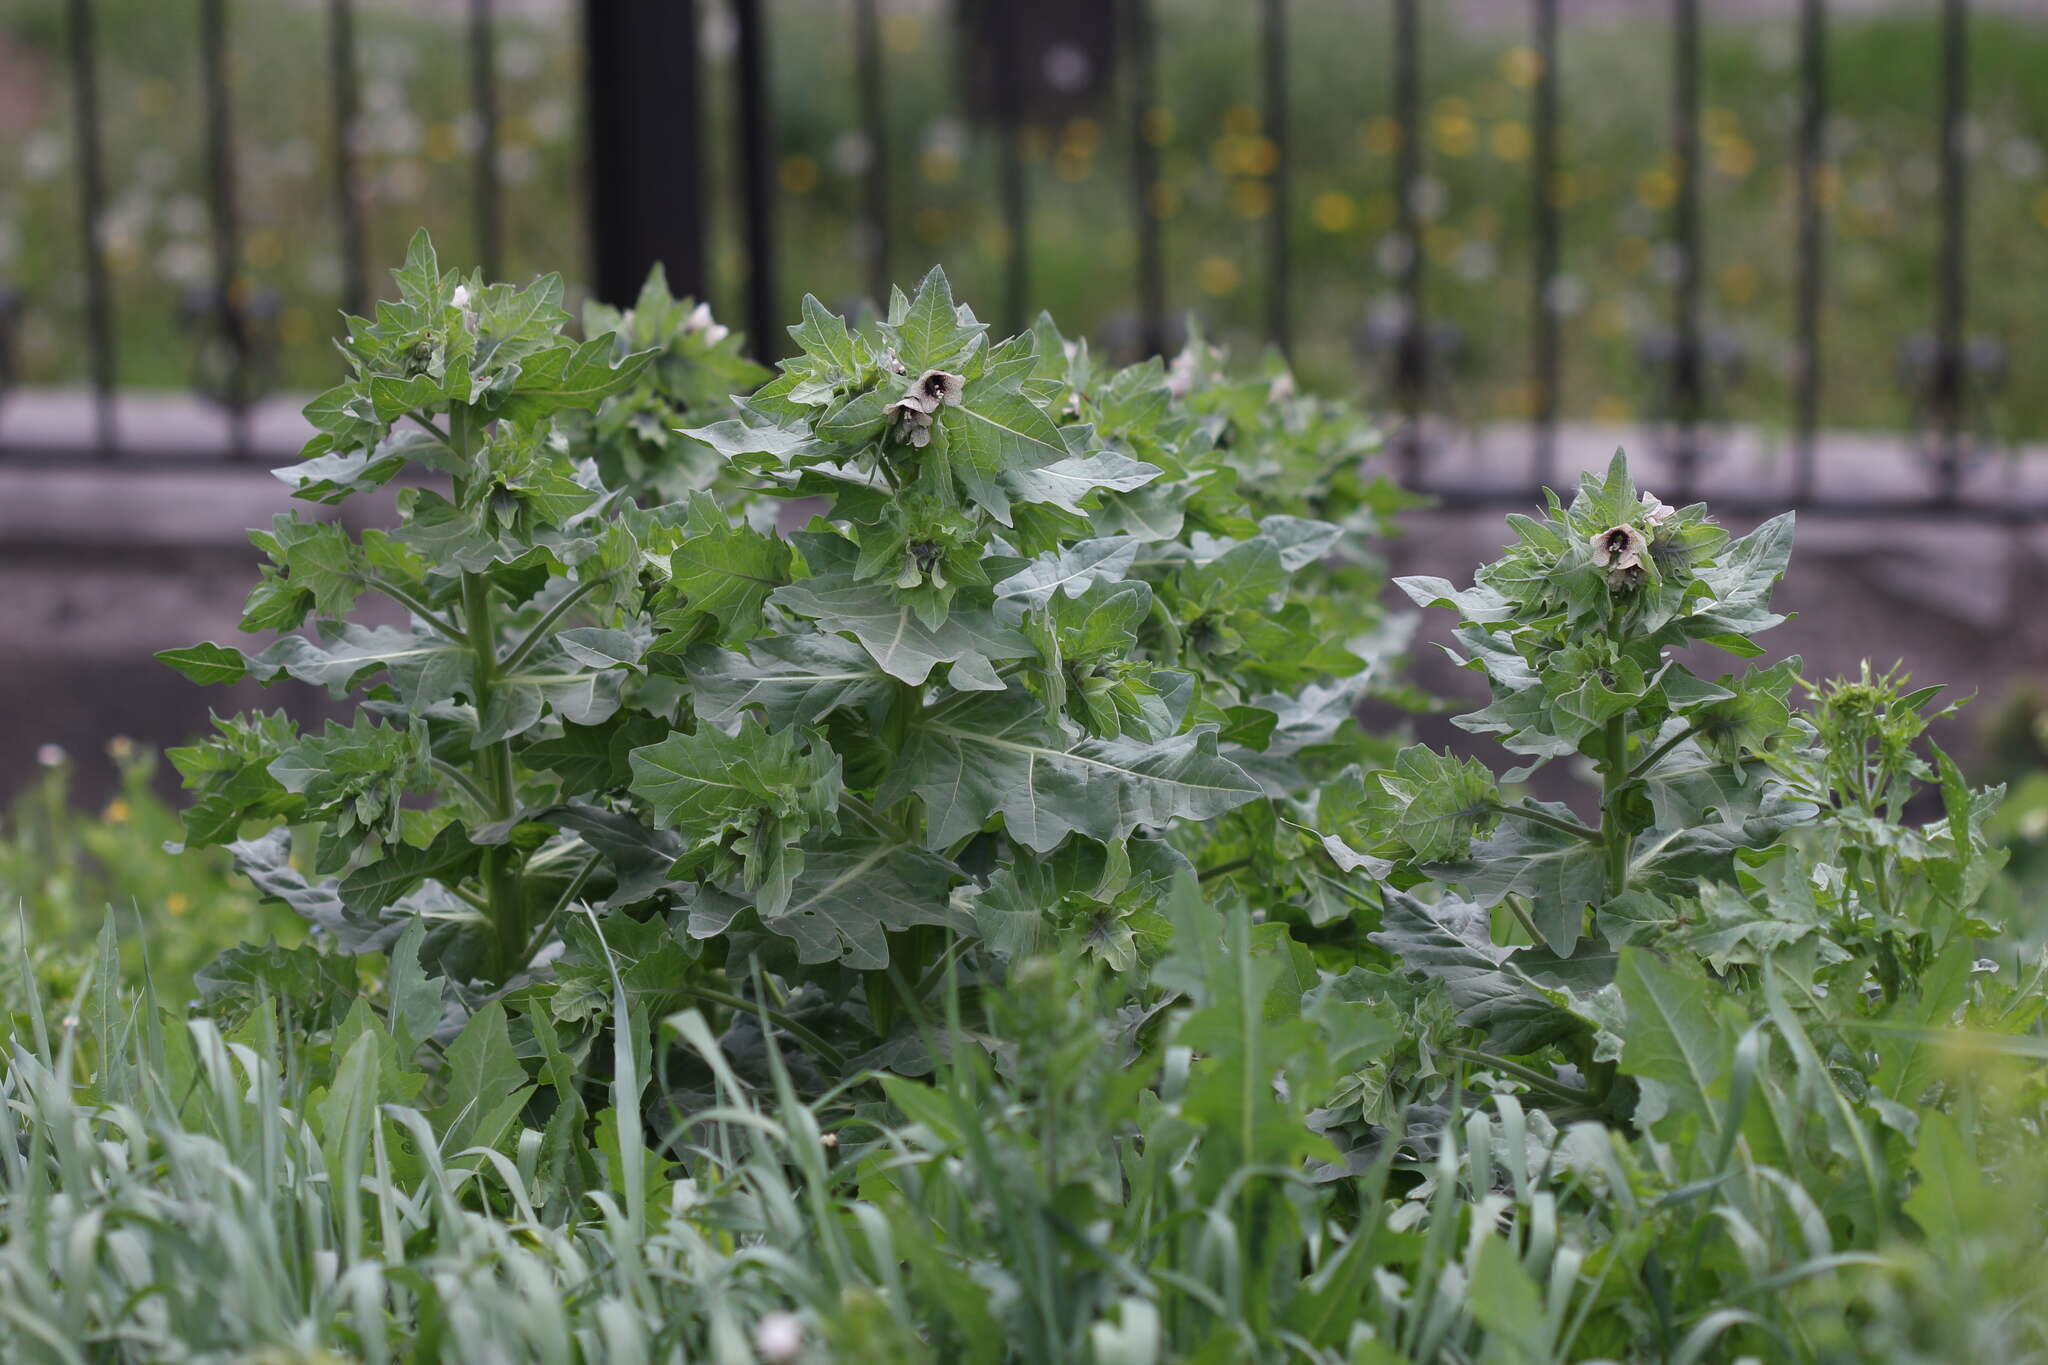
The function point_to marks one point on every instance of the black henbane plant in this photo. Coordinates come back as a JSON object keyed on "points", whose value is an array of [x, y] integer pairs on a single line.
{"points": [[1744, 957], [1575, 628], [1030, 628]]}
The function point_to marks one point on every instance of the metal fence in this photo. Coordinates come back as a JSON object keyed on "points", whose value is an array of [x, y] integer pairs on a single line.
{"points": [[645, 92]]}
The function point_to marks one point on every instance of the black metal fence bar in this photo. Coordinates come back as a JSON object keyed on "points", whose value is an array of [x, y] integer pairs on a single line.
{"points": [[1951, 374], [1144, 110], [1411, 356], [348, 195], [647, 191], [642, 75], [1688, 368], [757, 167], [1543, 326], [483, 84], [874, 117], [224, 316], [1279, 276], [99, 305], [1812, 161], [1013, 189]]}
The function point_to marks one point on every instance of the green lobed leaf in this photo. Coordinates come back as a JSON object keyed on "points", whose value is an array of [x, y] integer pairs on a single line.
{"points": [[997, 755]]}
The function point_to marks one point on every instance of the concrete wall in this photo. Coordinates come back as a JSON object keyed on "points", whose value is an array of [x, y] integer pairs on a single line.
{"points": [[100, 566]]}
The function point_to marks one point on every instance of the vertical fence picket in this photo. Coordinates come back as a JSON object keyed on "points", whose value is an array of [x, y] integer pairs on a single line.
{"points": [[1411, 357], [483, 98], [647, 172], [348, 196], [1279, 275], [1951, 375], [1687, 381], [874, 117], [642, 82], [1012, 188], [99, 305], [1813, 114], [1144, 113], [226, 321], [1544, 338], [757, 166]]}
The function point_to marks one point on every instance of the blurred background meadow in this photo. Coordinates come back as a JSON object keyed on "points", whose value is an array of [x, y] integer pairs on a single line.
{"points": [[1216, 191], [258, 165]]}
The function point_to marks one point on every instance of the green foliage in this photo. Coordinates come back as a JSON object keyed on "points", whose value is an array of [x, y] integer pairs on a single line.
{"points": [[1035, 613], [1119, 1170], [63, 870], [972, 926]]}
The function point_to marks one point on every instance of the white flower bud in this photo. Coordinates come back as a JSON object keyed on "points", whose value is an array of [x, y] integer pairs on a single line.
{"points": [[779, 1338]]}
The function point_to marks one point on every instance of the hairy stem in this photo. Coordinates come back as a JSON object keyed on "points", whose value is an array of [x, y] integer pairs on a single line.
{"points": [[1557, 822], [433, 430], [542, 627], [1223, 869], [418, 608], [1521, 913], [1528, 1076], [1617, 842], [826, 1052], [503, 890], [1642, 769], [466, 783], [562, 902]]}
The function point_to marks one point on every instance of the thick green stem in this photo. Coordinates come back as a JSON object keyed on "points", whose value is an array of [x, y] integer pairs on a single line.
{"points": [[1617, 842], [503, 891], [905, 711]]}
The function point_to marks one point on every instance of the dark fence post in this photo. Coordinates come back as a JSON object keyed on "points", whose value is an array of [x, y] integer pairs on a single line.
{"points": [[1813, 116], [1951, 374], [1143, 76], [483, 80], [1543, 335], [341, 63], [99, 307], [756, 150], [225, 307], [1688, 367], [1012, 187], [642, 84], [874, 114], [1411, 357], [1279, 322]]}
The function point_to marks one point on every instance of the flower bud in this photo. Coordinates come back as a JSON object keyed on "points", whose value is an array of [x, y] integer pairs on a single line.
{"points": [[779, 1338]]}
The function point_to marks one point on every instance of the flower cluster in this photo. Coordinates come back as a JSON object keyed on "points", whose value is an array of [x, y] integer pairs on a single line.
{"points": [[1621, 549], [912, 414]]}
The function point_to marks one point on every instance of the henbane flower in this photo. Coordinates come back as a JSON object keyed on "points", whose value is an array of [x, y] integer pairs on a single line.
{"points": [[1620, 551], [934, 389], [913, 412]]}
